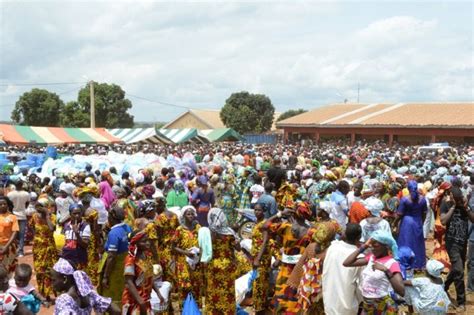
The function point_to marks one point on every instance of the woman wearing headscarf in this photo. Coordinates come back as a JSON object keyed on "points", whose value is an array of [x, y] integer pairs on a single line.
{"points": [[203, 199], [381, 273], [165, 224], [221, 269], [294, 239], [262, 258], [439, 251], [138, 275], [177, 197], [45, 253], [185, 246], [228, 201], [411, 212], [79, 296], [426, 294], [306, 277], [105, 186], [91, 216], [77, 235], [112, 281], [374, 222], [126, 203]]}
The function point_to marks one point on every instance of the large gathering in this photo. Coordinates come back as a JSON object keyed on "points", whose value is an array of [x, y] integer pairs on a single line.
{"points": [[235, 228]]}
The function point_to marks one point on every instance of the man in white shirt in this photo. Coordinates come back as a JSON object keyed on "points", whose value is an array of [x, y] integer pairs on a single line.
{"points": [[340, 289], [20, 199]]}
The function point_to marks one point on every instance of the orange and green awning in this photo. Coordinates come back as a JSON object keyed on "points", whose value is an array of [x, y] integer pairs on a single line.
{"points": [[15, 134]]}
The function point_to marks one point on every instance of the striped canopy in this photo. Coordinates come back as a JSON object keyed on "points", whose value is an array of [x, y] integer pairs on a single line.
{"points": [[140, 135], [15, 134], [184, 135], [222, 134]]}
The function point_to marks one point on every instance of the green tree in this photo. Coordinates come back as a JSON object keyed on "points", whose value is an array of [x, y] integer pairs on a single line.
{"points": [[247, 113], [111, 108], [290, 113], [37, 108]]}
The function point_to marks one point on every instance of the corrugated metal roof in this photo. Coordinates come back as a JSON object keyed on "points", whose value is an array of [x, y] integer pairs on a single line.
{"points": [[459, 114]]}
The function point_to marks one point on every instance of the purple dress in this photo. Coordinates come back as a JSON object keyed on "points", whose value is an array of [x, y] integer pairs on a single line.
{"points": [[411, 228], [65, 305]]}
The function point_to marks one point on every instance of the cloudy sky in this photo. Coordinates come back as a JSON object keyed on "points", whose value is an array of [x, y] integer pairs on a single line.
{"points": [[195, 54]]}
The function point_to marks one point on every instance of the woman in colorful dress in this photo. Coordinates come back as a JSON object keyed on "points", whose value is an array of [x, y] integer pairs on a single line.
{"points": [[307, 274], [8, 235], [262, 258], [138, 276], [165, 223], [221, 270], [228, 201], [95, 242], [112, 281], [186, 247], [381, 275], [295, 238], [440, 252], [45, 253]]}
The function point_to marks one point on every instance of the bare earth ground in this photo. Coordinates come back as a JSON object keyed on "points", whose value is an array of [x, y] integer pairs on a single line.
{"points": [[470, 297]]}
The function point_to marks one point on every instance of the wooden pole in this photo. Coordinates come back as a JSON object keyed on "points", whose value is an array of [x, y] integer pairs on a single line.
{"points": [[91, 86]]}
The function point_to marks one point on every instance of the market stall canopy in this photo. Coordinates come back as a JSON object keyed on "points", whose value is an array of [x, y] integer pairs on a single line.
{"points": [[184, 135], [140, 135], [222, 134], [15, 134]]}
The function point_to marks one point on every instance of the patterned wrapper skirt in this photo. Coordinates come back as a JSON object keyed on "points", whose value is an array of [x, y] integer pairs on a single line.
{"points": [[9, 260], [380, 306]]}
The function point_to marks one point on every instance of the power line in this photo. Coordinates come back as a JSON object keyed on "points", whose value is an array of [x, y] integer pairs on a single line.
{"points": [[158, 102], [33, 84]]}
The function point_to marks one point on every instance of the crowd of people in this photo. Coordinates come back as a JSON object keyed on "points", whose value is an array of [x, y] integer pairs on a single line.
{"points": [[338, 230]]}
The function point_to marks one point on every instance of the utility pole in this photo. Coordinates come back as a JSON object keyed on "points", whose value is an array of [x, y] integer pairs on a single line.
{"points": [[91, 86]]}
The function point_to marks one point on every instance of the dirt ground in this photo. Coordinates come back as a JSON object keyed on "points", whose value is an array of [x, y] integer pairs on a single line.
{"points": [[470, 296]]}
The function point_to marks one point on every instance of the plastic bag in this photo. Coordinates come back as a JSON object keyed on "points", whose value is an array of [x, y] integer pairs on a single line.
{"points": [[190, 306]]}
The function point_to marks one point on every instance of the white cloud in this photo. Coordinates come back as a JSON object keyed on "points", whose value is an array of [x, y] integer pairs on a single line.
{"points": [[197, 54]]}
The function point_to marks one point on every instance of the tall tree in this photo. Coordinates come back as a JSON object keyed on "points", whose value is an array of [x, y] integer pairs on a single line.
{"points": [[37, 108], [290, 113], [246, 113], [111, 108]]}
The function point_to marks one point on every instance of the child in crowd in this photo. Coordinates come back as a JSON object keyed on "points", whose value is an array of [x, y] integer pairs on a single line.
{"points": [[426, 294], [21, 289], [9, 304]]}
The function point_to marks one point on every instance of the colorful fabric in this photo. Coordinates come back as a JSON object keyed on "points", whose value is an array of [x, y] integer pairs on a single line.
{"points": [[106, 194], [310, 288], [165, 228], [186, 279], [284, 299], [45, 253], [93, 257], [66, 305], [381, 306], [220, 277], [8, 225], [358, 212], [142, 272], [228, 205], [261, 286]]}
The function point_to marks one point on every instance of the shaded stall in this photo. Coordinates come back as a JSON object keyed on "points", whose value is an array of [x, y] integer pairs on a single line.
{"points": [[22, 135], [140, 135], [222, 134], [185, 135]]}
